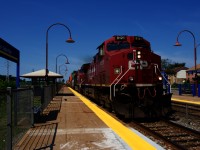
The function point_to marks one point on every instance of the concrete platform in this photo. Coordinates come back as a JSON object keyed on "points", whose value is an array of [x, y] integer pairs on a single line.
{"points": [[74, 123], [186, 98]]}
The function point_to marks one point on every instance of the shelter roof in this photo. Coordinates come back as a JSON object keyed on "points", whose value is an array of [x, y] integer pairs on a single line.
{"points": [[177, 69], [41, 74], [193, 68]]}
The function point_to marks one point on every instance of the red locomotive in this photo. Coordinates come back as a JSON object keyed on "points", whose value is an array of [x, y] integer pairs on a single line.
{"points": [[125, 76]]}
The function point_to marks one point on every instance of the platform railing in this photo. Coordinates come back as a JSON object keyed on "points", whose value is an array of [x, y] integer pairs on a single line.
{"points": [[189, 89], [20, 108], [19, 114]]}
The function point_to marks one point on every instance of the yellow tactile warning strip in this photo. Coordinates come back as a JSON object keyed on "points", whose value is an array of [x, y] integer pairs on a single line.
{"points": [[185, 101], [133, 140]]}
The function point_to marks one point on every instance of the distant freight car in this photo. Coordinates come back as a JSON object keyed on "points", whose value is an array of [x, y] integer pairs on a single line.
{"points": [[125, 77]]}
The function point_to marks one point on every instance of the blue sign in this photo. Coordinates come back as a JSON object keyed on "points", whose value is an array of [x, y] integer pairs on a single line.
{"points": [[8, 51]]}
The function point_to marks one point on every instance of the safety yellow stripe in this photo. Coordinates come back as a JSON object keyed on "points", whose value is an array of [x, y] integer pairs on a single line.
{"points": [[133, 140], [185, 101]]}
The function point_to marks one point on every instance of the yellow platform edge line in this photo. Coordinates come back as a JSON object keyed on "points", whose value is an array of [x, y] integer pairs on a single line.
{"points": [[133, 140], [185, 101]]}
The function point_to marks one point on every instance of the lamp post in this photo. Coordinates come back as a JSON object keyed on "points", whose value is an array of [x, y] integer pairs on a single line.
{"points": [[197, 45], [67, 62], [61, 66], [60, 69], [195, 52], [69, 40]]}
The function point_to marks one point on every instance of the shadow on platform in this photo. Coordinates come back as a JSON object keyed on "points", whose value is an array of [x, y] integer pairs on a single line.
{"points": [[50, 113], [39, 137]]}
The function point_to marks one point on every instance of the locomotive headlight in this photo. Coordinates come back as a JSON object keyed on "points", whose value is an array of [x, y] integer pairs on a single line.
{"points": [[117, 70], [160, 78], [138, 54], [131, 79]]}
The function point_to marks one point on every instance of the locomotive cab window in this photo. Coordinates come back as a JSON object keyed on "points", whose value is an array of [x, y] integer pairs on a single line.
{"points": [[124, 45], [112, 46], [117, 46], [135, 44]]}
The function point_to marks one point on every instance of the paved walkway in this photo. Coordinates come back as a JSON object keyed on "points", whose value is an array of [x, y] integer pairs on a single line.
{"points": [[186, 98], [69, 124], [189, 97]]}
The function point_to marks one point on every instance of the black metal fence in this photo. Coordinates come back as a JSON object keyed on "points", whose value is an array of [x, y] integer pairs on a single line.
{"points": [[3, 119], [19, 114], [17, 110]]}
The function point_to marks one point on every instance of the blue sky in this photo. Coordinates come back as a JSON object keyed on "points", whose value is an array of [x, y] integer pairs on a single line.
{"points": [[24, 24]]}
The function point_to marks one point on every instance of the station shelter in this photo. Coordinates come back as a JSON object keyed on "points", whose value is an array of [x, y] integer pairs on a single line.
{"points": [[192, 73], [38, 77]]}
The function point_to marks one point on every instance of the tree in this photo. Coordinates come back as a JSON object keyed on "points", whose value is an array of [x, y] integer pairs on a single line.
{"points": [[170, 67]]}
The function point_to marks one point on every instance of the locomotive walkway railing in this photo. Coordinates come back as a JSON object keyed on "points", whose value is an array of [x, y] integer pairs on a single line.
{"points": [[120, 79], [166, 83], [120, 76], [114, 82]]}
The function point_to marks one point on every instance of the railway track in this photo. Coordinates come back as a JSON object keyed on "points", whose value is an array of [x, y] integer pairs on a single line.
{"points": [[187, 109], [171, 135], [187, 115], [166, 133]]}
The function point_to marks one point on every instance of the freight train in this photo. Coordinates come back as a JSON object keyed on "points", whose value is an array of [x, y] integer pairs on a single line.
{"points": [[125, 77]]}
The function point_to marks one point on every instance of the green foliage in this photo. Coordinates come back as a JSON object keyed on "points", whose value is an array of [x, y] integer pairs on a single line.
{"points": [[4, 84], [169, 67]]}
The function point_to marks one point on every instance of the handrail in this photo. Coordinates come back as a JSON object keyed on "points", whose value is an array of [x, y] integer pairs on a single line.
{"points": [[81, 83], [156, 66], [120, 79], [114, 82]]}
